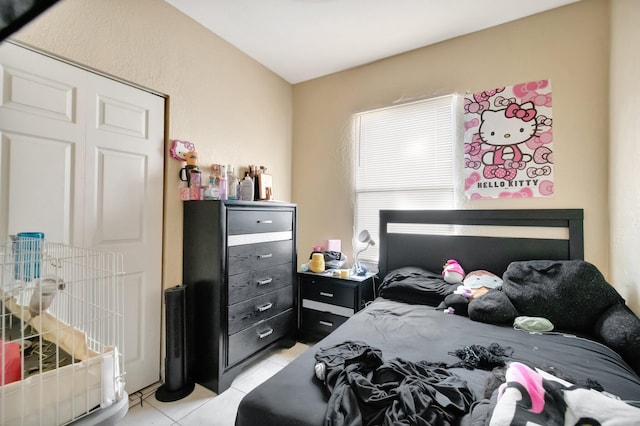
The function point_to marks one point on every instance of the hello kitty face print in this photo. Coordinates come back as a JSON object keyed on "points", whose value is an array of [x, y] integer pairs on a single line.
{"points": [[179, 149], [508, 142], [505, 130]]}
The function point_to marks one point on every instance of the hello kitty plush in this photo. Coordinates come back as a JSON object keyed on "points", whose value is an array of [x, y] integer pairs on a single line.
{"points": [[452, 272], [504, 130]]}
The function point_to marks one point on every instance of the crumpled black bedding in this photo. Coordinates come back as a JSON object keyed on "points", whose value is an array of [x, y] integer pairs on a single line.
{"points": [[367, 390], [414, 333]]}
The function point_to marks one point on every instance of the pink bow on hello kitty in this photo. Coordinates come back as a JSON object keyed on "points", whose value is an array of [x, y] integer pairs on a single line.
{"points": [[518, 111], [542, 171]]}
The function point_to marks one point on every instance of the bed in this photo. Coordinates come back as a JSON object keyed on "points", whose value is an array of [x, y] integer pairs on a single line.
{"points": [[407, 333]]}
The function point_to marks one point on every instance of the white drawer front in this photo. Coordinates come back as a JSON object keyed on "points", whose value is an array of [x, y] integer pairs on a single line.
{"points": [[326, 307], [265, 237]]}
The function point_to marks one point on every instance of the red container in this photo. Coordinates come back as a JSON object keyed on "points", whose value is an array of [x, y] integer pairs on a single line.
{"points": [[10, 362]]}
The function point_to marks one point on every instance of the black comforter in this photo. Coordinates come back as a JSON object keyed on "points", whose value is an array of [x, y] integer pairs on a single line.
{"points": [[415, 333]]}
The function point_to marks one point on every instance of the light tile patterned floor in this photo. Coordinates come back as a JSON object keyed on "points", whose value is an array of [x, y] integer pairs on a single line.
{"points": [[203, 406]]}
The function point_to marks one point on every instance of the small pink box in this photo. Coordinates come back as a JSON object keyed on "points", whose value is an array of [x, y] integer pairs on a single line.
{"points": [[195, 193], [334, 245], [185, 194], [191, 193]]}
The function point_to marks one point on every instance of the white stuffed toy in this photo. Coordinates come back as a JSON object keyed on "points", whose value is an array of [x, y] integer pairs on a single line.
{"points": [[452, 272]]}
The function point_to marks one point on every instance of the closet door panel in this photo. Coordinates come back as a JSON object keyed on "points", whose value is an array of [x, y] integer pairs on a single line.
{"points": [[38, 95], [120, 175], [40, 185]]}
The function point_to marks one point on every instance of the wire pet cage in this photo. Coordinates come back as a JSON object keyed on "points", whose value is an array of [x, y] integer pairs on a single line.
{"points": [[62, 332]]}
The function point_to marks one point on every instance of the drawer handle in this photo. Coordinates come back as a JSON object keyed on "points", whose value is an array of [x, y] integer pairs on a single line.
{"points": [[265, 282], [265, 222], [322, 293], [326, 323], [265, 256], [262, 335], [265, 307]]}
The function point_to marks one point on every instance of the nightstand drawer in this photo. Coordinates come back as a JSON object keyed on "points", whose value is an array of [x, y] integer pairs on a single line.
{"points": [[257, 221], [317, 322], [327, 291], [252, 257], [254, 338], [254, 283], [245, 314]]}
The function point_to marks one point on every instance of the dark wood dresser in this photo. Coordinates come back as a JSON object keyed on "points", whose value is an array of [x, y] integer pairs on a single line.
{"points": [[239, 266]]}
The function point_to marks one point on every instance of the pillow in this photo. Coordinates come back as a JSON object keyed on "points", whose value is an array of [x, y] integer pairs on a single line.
{"points": [[572, 294], [415, 285], [493, 308], [482, 278], [536, 324], [619, 328]]}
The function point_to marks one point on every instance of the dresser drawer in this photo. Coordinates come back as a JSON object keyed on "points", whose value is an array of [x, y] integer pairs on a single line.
{"points": [[254, 283], [257, 221], [245, 314], [326, 291], [254, 338], [316, 322], [252, 257]]}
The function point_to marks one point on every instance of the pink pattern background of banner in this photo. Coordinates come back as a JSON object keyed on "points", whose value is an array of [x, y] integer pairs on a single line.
{"points": [[508, 142]]}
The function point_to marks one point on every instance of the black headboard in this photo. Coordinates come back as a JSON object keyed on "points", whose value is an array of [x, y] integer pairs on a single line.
{"points": [[493, 253]]}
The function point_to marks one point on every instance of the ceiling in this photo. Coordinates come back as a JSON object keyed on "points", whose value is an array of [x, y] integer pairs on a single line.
{"points": [[304, 39]]}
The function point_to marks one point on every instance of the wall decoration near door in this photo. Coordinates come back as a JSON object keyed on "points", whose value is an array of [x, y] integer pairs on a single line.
{"points": [[508, 142]]}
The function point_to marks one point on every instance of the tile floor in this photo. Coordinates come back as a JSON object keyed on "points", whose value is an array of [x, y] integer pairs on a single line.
{"points": [[203, 406]]}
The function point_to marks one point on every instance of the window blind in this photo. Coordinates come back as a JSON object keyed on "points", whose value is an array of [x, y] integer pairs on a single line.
{"points": [[404, 160]]}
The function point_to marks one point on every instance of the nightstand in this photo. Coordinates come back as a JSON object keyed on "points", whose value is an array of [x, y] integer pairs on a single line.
{"points": [[327, 301]]}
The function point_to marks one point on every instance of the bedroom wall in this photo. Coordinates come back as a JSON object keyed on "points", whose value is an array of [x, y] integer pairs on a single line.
{"points": [[569, 46], [625, 150], [235, 110]]}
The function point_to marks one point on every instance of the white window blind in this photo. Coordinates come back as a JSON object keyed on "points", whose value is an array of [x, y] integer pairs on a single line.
{"points": [[404, 160]]}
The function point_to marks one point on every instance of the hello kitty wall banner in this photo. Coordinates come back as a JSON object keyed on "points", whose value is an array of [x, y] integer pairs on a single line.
{"points": [[508, 142]]}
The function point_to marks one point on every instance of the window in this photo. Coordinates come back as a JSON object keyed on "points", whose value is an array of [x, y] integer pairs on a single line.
{"points": [[404, 160]]}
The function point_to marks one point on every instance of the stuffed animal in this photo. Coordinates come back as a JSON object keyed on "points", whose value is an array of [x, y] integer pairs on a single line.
{"points": [[452, 272], [475, 285]]}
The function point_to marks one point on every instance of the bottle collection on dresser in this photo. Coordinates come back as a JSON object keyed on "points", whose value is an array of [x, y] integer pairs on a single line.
{"points": [[224, 183]]}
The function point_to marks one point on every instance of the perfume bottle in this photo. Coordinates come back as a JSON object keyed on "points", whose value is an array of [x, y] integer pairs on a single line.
{"points": [[246, 188], [232, 183], [222, 182], [212, 192]]}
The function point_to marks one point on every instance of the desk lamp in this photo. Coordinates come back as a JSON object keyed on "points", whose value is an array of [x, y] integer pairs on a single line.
{"points": [[365, 238]]}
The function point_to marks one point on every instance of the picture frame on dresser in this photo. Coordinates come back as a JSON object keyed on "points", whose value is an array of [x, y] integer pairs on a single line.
{"points": [[239, 270]]}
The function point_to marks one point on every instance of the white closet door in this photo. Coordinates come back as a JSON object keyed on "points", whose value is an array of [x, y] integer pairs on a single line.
{"points": [[81, 159], [123, 209]]}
